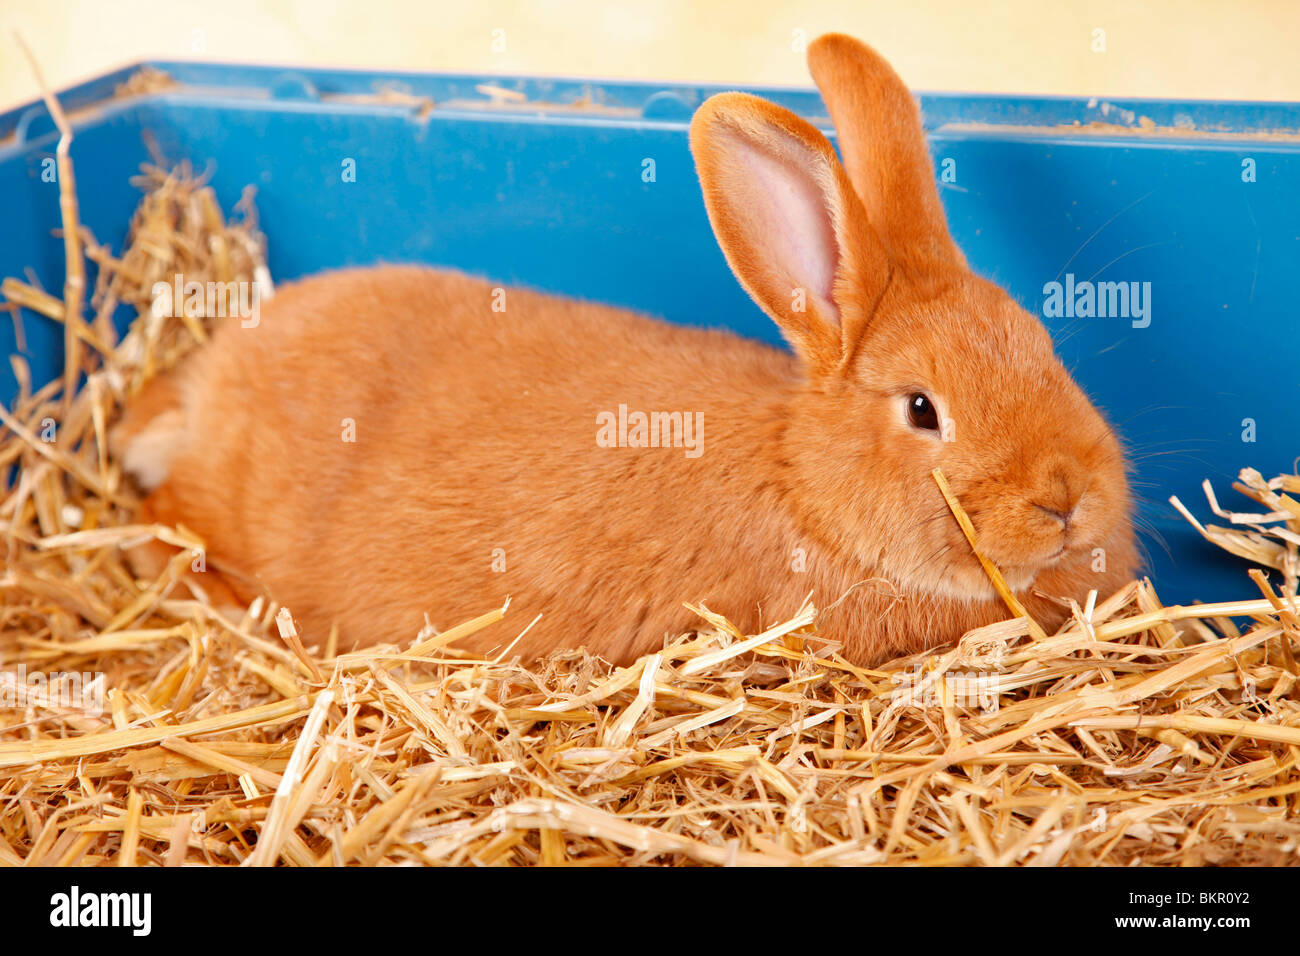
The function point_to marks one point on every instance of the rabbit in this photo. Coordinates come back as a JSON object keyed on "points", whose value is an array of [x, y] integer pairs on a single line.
{"points": [[384, 449]]}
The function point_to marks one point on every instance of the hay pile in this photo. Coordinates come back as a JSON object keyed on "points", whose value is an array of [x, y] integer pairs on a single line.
{"points": [[1138, 733]]}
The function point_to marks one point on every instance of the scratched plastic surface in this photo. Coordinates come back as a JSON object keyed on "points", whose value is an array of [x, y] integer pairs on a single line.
{"points": [[553, 196]]}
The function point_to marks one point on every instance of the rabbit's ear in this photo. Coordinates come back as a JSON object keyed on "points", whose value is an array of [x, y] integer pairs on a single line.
{"points": [[883, 143], [792, 228]]}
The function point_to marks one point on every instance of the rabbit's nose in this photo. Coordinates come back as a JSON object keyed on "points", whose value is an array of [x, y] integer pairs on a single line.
{"points": [[1060, 498], [1063, 516]]}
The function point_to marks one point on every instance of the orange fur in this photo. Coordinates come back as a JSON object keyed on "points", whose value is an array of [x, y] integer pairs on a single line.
{"points": [[476, 430]]}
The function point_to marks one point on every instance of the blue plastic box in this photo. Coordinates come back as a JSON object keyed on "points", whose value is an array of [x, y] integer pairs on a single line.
{"points": [[1198, 203]]}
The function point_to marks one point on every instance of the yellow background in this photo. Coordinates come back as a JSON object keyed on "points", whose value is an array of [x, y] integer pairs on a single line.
{"points": [[1163, 48]]}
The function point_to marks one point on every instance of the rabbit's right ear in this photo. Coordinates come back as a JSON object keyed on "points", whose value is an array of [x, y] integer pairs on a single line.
{"points": [[883, 143], [793, 230]]}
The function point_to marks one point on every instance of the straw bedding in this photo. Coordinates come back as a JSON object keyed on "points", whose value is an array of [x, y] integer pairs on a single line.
{"points": [[1138, 733]]}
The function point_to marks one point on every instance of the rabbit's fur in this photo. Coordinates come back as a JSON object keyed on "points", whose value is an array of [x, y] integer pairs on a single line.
{"points": [[476, 472]]}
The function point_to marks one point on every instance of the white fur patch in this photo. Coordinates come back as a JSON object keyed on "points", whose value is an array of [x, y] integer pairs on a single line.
{"points": [[149, 455]]}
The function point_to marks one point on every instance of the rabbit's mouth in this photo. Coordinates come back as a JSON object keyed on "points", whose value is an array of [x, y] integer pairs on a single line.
{"points": [[1019, 576], [968, 581], [961, 577]]}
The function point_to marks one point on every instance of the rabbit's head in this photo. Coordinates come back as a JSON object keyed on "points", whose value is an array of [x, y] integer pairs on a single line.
{"points": [[911, 361]]}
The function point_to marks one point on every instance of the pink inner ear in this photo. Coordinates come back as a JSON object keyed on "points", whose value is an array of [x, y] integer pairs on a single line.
{"points": [[785, 218]]}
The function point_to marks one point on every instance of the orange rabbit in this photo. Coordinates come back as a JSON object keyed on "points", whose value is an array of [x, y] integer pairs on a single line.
{"points": [[498, 452]]}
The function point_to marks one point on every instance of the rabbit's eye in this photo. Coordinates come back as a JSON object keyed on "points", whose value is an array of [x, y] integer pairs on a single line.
{"points": [[921, 411]]}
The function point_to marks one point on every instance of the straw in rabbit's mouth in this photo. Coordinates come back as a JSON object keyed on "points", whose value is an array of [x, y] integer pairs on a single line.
{"points": [[995, 576], [1021, 579]]}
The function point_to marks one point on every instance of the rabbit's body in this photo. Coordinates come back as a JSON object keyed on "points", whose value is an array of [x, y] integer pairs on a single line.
{"points": [[481, 464], [503, 488], [506, 490]]}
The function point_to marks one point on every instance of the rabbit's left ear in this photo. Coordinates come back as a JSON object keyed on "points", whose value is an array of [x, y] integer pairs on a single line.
{"points": [[791, 226]]}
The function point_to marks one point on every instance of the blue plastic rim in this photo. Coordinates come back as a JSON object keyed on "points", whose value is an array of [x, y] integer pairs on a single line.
{"points": [[1194, 205]]}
